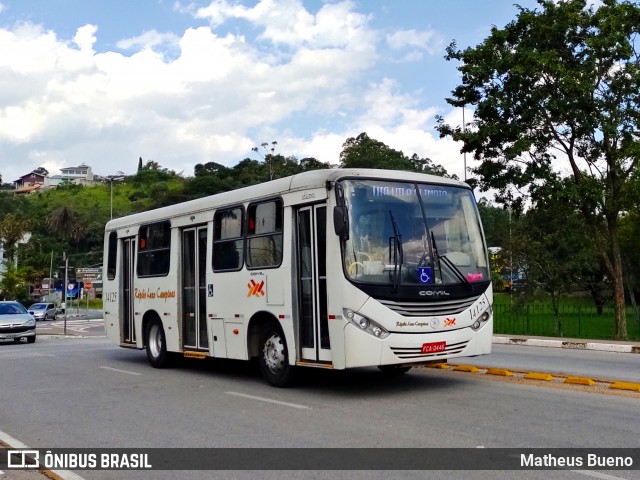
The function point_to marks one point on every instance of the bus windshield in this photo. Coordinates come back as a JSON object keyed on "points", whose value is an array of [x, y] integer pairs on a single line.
{"points": [[403, 233]]}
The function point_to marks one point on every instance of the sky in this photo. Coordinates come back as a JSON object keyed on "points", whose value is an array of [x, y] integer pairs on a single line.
{"points": [[104, 82]]}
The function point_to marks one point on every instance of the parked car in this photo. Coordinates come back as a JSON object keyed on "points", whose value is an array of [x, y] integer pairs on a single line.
{"points": [[43, 311], [16, 323]]}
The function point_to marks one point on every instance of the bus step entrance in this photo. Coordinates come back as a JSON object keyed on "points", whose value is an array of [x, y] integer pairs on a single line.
{"points": [[192, 354]]}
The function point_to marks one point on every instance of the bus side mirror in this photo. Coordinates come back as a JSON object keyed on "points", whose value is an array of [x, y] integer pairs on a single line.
{"points": [[341, 221]]}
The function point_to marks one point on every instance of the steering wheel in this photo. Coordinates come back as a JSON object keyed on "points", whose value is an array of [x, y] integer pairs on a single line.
{"points": [[423, 260], [353, 268]]}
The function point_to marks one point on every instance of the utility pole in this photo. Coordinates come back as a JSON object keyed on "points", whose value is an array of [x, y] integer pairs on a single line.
{"points": [[464, 131], [64, 288]]}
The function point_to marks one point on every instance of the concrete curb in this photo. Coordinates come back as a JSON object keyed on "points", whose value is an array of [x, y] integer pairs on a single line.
{"points": [[574, 344]]}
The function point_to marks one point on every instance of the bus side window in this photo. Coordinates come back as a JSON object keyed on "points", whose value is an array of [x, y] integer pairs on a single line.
{"points": [[111, 255], [154, 249], [227, 239], [264, 235]]}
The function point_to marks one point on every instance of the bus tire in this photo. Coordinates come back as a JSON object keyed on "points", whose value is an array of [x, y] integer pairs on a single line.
{"points": [[392, 370], [274, 357], [156, 344]]}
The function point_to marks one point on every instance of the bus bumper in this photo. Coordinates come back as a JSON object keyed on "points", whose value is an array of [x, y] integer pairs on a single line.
{"points": [[362, 349]]}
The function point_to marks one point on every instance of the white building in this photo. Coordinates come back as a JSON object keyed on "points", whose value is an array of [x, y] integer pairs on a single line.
{"points": [[81, 174]]}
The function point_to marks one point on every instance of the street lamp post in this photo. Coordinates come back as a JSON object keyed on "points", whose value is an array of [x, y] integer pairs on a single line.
{"points": [[464, 131]]}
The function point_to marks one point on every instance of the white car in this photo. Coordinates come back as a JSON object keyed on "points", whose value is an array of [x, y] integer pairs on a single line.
{"points": [[43, 311], [16, 323]]}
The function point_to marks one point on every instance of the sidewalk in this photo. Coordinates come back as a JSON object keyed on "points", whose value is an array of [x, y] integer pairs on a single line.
{"points": [[575, 343]]}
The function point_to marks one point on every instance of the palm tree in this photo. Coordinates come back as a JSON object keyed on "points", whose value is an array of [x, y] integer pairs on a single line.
{"points": [[66, 223]]}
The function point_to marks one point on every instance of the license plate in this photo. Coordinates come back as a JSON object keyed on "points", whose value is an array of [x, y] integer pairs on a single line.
{"points": [[434, 347]]}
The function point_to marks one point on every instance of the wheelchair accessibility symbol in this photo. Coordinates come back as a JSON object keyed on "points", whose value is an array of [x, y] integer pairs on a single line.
{"points": [[424, 275]]}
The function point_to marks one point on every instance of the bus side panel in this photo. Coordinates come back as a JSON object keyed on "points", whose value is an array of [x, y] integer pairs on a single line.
{"points": [[158, 296]]}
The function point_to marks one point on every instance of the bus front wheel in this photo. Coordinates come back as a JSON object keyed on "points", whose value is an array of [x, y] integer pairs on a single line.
{"points": [[274, 357], [156, 344]]}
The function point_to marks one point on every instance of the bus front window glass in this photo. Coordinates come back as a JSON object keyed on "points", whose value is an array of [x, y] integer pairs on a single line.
{"points": [[413, 234]]}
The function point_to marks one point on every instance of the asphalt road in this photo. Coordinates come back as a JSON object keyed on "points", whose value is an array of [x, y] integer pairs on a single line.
{"points": [[86, 392]]}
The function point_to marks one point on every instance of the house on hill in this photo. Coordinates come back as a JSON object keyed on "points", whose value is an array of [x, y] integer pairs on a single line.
{"points": [[81, 174], [30, 182]]}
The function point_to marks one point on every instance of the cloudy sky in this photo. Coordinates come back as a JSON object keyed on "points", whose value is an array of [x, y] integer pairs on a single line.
{"points": [[104, 82]]}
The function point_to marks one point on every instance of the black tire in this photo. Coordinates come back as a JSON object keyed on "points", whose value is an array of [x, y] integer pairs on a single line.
{"points": [[31, 339], [274, 357], [392, 370], [156, 344]]}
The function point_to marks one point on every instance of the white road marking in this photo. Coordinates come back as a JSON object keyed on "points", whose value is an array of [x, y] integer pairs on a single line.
{"points": [[268, 400], [18, 445], [121, 371]]}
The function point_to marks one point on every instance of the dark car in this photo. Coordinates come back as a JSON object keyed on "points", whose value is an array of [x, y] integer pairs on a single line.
{"points": [[43, 311], [16, 323]]}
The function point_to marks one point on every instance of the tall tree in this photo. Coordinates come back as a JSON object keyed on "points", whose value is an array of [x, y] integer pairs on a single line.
{"points": [[557, 90], [12, 230], [365, 152], [65, 222], [553, 247]]}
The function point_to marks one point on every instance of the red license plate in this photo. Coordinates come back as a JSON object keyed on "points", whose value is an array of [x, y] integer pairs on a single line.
{"points": [[434, 347]]}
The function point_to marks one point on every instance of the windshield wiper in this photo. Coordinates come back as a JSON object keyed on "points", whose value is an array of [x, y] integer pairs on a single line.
{"points": [[449, 263], [398, 254]]}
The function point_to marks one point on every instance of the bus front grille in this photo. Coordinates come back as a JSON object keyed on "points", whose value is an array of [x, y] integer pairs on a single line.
{"points": [[426, 309], [416, 352]]}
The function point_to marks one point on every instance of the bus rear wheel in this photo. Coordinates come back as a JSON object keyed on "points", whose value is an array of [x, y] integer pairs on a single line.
{"points": [[156, 344], [274, 357]]}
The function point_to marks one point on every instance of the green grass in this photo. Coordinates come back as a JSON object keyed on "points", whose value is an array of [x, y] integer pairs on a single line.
{"points": [[578, 318]]}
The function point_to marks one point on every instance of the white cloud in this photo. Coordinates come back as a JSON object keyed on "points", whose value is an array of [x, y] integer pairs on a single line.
{"points": [[214, 98], [149, 40], [429, 41]]}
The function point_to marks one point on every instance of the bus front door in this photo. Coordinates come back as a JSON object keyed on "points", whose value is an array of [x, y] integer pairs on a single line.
{"points": [[312, 284], [128, 320], [194, 289]]}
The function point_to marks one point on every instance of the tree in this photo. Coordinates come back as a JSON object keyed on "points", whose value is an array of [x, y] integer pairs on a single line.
{"points": [[365, 152], [14, 285], [12, 229], [552, 245], [311, 163], [211, 168], [41, 171], [139, 164], [557, 90], [65, 222]]}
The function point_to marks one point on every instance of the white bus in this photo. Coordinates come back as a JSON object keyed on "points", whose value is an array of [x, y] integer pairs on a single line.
{"points": [[335, 269]]}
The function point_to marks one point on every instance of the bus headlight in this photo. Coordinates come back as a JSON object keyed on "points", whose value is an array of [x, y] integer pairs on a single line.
{"points": [[482, 319], [365, 324]]}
